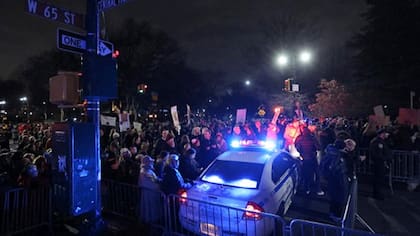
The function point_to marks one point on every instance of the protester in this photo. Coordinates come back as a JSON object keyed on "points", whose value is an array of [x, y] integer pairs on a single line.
{"points": [[188, 166], [351, 158], [208, 149], [170, 144], [172, 180], [150, 200], [160, 144], [221, 144], [161, 160], [307, 145], [334, 170]]}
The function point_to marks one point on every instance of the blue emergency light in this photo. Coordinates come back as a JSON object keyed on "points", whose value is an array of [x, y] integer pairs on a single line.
{"points": [[268, 145]]}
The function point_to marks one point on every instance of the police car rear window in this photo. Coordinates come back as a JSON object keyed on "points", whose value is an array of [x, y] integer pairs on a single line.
{"points": [[234, 173]]}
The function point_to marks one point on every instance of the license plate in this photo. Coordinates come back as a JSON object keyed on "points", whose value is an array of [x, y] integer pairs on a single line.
{"points": [[208, 229]]}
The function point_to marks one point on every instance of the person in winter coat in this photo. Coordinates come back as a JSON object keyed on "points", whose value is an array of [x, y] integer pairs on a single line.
{"points": [[150, 197], [188, 166], [334, 169], [172, 180], [307, 145], [381, 156]]}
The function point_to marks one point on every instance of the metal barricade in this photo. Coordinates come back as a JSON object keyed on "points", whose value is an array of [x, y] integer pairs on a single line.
{"points": [[304, 228], [194, 217], [142, 205], [351, 206], [120, 198], [404, 167], [178, 215], [23, 210]]}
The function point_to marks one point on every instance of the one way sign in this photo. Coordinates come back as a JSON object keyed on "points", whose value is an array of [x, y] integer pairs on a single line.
{"points": [[76, 43], [105, 48]]}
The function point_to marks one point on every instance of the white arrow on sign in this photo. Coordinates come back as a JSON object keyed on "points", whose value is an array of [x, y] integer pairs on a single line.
{"points": [[103, 49]]}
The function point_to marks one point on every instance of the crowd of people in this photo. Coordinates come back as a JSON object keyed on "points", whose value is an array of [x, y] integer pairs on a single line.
{"points": [[168, 159]]}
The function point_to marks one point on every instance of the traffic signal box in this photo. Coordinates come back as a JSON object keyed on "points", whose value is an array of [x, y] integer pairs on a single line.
{"points": [[288, 85], [74, 168], [64, 88]]}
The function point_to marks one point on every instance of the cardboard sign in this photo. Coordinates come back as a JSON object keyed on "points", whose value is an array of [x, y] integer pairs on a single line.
{"points": [[379, 121], [409, 116], [240, 116], [174, 113], [379, 111], [188, 115], [137, 126], [108, 121], [124, 121]]}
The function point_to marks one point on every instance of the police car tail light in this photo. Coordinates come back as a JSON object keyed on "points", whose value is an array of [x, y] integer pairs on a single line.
{"points": [[182, 196], [253, 211]]}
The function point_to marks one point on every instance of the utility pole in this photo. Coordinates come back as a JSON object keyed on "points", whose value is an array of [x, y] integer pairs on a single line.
{"points": [[93, 103]]}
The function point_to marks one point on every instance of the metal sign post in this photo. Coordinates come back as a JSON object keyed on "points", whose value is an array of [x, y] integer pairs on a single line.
{"points": [[93, 104]]}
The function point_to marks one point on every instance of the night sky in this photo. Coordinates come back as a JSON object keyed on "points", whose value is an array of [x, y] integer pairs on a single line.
{"points": [[212, 32]]}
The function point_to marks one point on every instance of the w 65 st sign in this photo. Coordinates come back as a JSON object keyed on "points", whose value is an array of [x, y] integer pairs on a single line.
{"points": [[54, 13]]}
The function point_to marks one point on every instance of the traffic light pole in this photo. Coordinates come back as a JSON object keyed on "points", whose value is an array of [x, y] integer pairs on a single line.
{"points": [[93, 104]]}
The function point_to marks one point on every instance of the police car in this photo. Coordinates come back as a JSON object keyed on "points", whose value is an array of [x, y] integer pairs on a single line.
{"points": [[252, 176]]}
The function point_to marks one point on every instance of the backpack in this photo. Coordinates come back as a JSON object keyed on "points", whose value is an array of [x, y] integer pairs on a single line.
{"points": [[332, 165]]}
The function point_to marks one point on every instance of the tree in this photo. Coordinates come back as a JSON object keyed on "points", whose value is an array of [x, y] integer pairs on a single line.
{"points": [[31, 79], [287, 100], [10, 91], [332, 100], [34, 74], [149, 56], [387, 55], [285, 33]]}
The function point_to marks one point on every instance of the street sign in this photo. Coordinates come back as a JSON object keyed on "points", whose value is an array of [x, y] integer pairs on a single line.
{"points": [[53, 13], [70, 41], [76, 43], [104, 48], [106, 4]]}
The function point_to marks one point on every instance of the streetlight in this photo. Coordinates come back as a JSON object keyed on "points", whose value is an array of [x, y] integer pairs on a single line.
{"points": [[2, 104], [304, 57], [247, 83], [25, 107], [283, 60]]}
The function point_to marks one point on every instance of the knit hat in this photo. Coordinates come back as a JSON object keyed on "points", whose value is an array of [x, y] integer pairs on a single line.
{"points": [[115, 135], [146, 160]]}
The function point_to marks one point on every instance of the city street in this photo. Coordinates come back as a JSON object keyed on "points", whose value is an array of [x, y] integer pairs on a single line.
{"points": [[397, 215]]}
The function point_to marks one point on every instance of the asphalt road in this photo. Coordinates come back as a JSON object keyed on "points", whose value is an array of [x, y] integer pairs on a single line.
{"points": [[397, 215]]}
